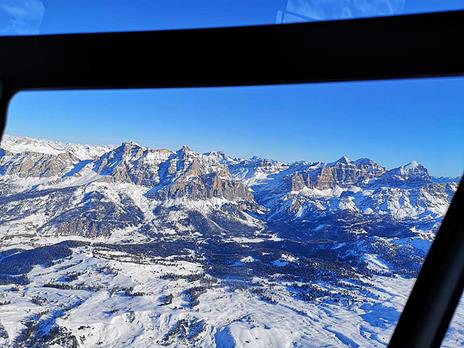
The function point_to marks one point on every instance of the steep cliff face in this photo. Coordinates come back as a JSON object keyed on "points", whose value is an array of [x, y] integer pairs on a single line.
{"points": [[131, 186], [342, 173], [411, 174], [198, 185], [178, 248], [198, 177], [33, 164], [123, 188], [95, 216], [131, 163]]}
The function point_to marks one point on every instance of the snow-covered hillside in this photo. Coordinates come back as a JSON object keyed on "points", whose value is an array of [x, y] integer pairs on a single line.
{"points": [[17, 144], [128, 246]]}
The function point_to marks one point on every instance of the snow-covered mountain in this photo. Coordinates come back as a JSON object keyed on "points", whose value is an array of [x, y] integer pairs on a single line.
{"points": [[132, 246], [17, 144]]}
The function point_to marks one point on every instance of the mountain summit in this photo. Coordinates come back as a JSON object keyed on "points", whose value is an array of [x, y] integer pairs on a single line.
{"points": [[160, 178], [183, 249]]}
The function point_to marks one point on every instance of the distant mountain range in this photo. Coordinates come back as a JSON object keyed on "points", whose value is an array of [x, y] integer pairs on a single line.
{"points": [[67, 179], [318, 234]]}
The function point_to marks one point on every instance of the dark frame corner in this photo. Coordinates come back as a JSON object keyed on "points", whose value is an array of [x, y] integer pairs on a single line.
{"points": [[412, 46]]}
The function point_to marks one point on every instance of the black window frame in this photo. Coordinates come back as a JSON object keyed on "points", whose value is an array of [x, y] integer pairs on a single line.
{"points": [[398, 47]]}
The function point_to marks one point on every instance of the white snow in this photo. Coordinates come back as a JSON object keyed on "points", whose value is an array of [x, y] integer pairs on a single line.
{"points": [[17, 144]]}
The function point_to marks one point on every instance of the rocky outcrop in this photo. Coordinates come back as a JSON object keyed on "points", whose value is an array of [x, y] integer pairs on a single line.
{"points": [[33, 164], [131, 163], [196, 182], [95, 215], [410, 174], [342, 173], [68, 195]]}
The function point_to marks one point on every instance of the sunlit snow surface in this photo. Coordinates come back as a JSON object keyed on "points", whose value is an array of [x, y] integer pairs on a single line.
{"points": [[97, 297], [209, 282], [114, 299]]}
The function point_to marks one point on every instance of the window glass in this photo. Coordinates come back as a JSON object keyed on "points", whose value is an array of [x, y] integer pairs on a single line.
{"points": [[23, 17], [244, 216], [455, 333]]}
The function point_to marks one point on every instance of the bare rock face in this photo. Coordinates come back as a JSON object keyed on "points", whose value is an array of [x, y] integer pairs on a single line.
{"points": [[71, 195], [193, 176], [34, 164], [346, 172], [131, 163], [192, 188], [299, 181], [341, 173], [229, 189], [410, 174], [325, 178], [94, 216]]}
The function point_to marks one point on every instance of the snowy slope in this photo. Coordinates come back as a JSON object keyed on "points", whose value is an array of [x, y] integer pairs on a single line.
{"points": [[16, 144], [130, 246]]}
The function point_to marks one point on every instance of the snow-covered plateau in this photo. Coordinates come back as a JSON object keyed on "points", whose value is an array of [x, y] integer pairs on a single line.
{"points": [[128, 246]]}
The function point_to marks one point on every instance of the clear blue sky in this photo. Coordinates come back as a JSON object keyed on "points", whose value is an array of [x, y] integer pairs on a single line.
{"points": [[60, 16], [392, 122]]}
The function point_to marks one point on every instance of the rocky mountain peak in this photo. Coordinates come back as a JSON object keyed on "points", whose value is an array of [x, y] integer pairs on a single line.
{"points": [[35, 164], [341, 173], [130, 144], [127, 150], [19, 144], [160, 235], [184, 152], [218, 156], [365, 162], [343, 160], [130, 163], [412, 173], [414, 168]]}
